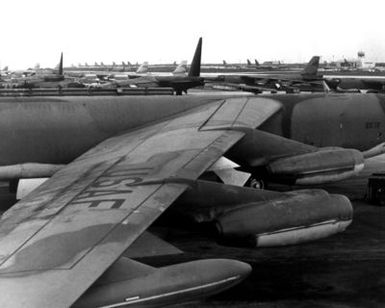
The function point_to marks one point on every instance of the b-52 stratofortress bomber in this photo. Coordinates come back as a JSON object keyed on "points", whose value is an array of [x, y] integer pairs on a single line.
{"points": [[47, 78], [307, 80], [116, 164], [179, 82]]}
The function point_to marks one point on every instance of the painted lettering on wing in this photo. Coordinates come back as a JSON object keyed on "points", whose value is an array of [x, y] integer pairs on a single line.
{"points": [[110, 190]]}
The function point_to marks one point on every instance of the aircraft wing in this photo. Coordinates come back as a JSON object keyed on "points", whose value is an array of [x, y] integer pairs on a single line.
{"points": [[59, 239]]}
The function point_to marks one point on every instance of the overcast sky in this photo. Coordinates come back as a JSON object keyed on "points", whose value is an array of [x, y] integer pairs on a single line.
{"points": [[163, 31]]}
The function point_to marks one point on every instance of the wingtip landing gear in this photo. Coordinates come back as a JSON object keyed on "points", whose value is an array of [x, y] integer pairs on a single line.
{"points": [[256, 183]]}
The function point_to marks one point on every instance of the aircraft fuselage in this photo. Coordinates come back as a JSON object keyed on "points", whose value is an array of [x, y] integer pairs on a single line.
{"points": [[346, 120], [56, 130]]}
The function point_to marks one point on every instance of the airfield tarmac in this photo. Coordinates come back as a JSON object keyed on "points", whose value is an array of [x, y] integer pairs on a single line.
{"points": [[345, 270]]}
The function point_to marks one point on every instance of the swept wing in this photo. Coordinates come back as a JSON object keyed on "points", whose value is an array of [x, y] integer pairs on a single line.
{"points": [[58, 240]]}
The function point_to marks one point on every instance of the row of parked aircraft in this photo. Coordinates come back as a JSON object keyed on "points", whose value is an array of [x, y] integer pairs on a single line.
{"points": [[182, 79], [179, 80]]}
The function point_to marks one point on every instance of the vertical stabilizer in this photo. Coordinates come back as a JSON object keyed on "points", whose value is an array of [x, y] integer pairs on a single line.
{"points": [[60, 67], [143, 69], [195, 69], [181, 69], [311, 68]]}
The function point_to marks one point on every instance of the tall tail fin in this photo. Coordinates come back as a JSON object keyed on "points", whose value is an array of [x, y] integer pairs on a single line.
{"points": [[224, 62], [60, 66], [181, 68], [143, 69], [311, 68], [248, 62], [256, 62], [195, 68]]}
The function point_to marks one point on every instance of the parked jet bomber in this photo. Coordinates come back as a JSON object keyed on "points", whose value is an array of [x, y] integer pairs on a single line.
{"points": [[94, 173]]}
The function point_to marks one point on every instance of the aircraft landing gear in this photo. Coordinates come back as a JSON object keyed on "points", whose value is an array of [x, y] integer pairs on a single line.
{"points": [[257, 183]]}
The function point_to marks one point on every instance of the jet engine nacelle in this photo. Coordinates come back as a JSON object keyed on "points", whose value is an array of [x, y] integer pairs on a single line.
{"points": [[301, 217], [253, 217], [325, 165]]}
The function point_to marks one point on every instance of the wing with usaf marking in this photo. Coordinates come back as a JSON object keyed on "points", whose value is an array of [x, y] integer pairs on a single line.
{"points": [[58, 240]]}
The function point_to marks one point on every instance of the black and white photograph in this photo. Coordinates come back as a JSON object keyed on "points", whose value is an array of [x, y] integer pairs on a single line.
{"points": [[207, 153]]}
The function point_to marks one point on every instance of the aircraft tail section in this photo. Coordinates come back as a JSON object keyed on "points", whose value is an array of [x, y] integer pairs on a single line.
{"points": [[248, 62], [143, 69], [60, 66], [256, 62], [311, 68], [181, 68], [195, 69]]}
